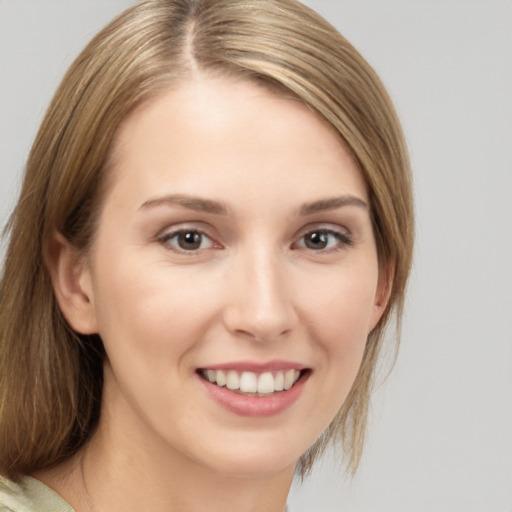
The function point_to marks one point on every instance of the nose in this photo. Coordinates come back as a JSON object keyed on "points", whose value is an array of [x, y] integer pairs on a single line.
{"points": [[260, 305]]}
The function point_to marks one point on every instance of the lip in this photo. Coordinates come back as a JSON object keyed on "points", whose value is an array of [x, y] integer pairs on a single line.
{"points": [[257, 367], [254, 406]]}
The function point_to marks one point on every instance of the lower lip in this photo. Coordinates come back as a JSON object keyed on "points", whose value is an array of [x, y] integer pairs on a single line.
{"points": [[254, 406]]}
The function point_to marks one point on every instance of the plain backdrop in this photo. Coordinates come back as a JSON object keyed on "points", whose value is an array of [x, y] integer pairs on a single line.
{"points": [[440, 435]]}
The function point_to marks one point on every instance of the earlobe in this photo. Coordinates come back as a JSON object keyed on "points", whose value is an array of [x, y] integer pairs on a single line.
{"points": [[383, 292], [72, 284]]}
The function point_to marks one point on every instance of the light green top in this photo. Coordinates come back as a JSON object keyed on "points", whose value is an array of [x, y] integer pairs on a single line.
{"points": [[30, 495]]}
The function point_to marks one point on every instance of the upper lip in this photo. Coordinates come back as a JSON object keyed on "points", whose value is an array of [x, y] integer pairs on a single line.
{"points": [[256, 366]]}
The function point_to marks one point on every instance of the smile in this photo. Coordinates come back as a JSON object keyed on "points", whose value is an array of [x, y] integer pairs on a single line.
{"points": [[252, 389], [252, 383]]}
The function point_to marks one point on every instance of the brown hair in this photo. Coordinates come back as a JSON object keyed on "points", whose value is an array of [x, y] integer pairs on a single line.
{"points": [[50, 376]]}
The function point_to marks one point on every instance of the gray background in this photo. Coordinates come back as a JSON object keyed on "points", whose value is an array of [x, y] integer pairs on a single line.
{"points": [[440, 432]]}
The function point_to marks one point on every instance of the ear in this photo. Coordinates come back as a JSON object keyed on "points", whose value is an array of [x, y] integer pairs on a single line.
{"points": [[72, 284], [383, 292]]}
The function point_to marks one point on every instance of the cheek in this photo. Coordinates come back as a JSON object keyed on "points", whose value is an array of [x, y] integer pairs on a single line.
{"points": [[151, 308], [342, 309], [340, 319], [337, 318], [148, 318]]}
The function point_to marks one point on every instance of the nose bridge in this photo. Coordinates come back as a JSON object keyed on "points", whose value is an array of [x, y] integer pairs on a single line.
{"points": [[261, 306]]}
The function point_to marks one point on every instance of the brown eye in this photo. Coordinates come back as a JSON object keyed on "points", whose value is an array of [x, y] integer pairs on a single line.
{"points": [[188, 240], [324, 239], [316, 240]]}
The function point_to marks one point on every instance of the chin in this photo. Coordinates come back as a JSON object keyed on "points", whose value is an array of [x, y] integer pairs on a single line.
{"points": [[255, 467], [249, 457]]}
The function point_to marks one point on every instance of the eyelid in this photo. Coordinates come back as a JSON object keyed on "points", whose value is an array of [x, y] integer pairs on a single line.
{"points": [[344, 236], [324, 226], [169, 233]]}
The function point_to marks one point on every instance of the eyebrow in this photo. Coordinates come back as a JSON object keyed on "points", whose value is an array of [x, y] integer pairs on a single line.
{"points": [[200, 204], [331, 203], [190, 202]]}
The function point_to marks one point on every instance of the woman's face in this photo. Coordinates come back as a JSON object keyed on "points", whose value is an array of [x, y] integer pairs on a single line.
{"points": [[234, 245]]}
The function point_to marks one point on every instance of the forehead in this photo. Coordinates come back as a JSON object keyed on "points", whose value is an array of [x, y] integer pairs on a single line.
{"points": [[208, 132]]}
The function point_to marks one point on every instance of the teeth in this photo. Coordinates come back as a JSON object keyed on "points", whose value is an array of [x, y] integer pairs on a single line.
{"points": [[289, 379], [279, 381], [266, 383], [220, 378], [250, 382], [232, 380]]}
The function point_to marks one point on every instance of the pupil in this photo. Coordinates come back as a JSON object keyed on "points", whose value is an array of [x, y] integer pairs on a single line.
{"points": [[190, 240], [316, 240]]}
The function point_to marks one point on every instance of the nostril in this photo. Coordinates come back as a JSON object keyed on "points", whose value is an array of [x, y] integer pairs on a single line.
{"points": [[262, 335]]}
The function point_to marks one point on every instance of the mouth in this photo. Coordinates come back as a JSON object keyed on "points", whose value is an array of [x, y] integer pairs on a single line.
{"points": [[254, 384]]}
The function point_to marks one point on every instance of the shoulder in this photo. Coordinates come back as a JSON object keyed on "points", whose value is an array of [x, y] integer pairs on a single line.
{"points": [[29, 495]]}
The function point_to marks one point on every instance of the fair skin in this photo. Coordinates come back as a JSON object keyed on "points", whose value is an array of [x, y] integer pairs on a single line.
{"points": [[235, 236]]}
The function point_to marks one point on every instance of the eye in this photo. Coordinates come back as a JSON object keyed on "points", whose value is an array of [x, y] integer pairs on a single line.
{"points": [[187, 240], [324, 240]]}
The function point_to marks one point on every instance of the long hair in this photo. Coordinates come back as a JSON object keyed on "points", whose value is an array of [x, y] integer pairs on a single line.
{"points": [[50, 376]]}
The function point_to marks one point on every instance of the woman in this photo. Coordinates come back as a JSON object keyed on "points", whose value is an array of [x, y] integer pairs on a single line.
{"points": [[213, 232]]}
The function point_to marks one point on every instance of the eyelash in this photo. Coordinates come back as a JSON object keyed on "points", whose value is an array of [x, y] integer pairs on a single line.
{"points": [[342, 240], [167, 237]]}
